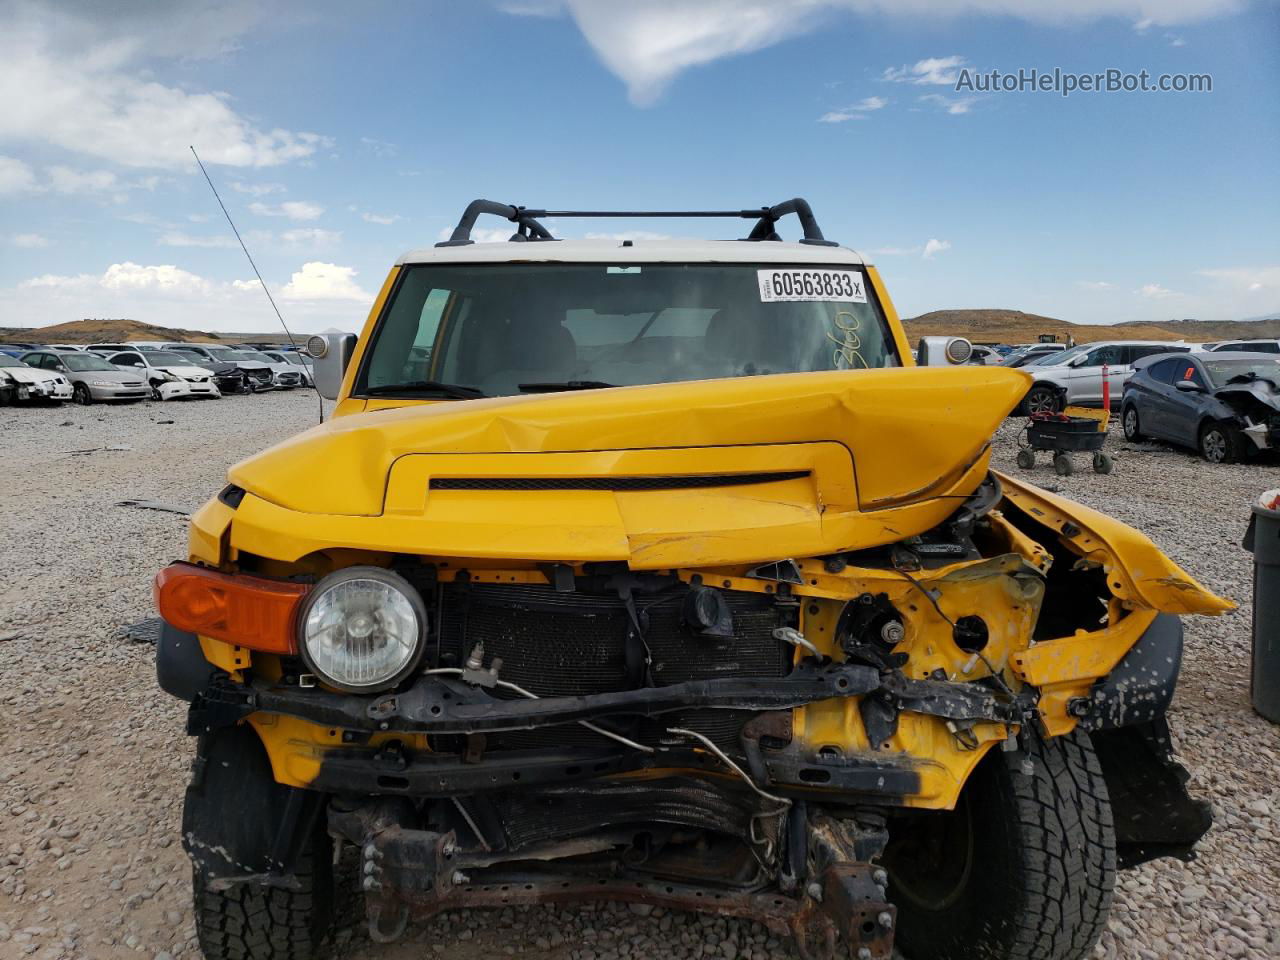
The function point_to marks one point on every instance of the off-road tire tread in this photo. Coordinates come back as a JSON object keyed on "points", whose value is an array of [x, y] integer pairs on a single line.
{"points": [[255, 922], [1068, 840]]}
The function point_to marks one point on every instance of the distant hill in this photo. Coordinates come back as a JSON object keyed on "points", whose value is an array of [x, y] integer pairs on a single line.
{"points": [[114, 331], [1014, 326]]}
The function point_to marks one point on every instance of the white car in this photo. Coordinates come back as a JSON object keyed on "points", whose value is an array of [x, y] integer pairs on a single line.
{"points": [[171, 375], [21, 382], [296, 360], [284, 375], [1075, 376]]}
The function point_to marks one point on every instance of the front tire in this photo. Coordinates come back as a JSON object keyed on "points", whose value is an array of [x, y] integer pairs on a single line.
{"points": [[81, 395], [1042, 399], [232, 813], [1132, 426], [1220, 443], [1022, 869]]}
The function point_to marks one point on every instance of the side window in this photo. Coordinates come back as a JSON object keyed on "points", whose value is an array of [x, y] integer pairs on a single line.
{"points": [[1262, 346], [409, 357], [128, 359], [1108, 355], [1138, 352], [1186, 370], [1163, 370]]}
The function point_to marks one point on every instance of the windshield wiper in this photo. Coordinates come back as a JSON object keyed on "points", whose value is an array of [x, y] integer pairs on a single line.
{"points": [[455, 390], [565, 385]]}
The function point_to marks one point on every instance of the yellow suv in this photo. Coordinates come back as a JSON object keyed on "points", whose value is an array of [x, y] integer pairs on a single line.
{"points": [[657, 571]]}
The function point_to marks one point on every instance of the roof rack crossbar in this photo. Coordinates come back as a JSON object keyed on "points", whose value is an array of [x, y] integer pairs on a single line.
{"points": [[528, 226]]}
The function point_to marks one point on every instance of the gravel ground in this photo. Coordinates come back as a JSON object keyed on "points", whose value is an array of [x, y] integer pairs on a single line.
{"points": [[93, 760]]}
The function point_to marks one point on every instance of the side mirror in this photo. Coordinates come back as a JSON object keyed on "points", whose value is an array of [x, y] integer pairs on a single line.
{"points": [[1189, 386], [332, 354], [1078, 361]]}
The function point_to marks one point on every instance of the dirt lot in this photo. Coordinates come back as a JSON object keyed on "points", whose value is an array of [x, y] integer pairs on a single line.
{"points": [[93, 759]]}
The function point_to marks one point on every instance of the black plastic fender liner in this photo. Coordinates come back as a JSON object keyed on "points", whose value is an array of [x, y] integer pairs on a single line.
{"points": [[238, 823], [1154, 814], [181, 668], [1140, 687]]}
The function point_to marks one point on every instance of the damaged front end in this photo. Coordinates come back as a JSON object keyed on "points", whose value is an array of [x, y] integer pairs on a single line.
{"points": [[735, 679]]}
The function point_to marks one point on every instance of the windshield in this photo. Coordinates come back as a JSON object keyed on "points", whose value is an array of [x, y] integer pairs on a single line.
{"points": [[1059, 356], [236, 355], [518, 328], [160, 358], [84, 362], [8, 361], [1222, 371], [254, 355]]}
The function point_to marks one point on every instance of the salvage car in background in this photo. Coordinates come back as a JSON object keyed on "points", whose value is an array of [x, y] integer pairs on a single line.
{"points": [[1029, 352], [1075, 376], [286, 375], [1224, 404], [169, 375], [31, 383], [1247, 346], [92, 377], [759, 633], [297, 361], [256, 373]]}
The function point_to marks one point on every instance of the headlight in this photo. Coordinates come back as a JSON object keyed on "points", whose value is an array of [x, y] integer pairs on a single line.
{"points": [[361, 629], [959, 350]]}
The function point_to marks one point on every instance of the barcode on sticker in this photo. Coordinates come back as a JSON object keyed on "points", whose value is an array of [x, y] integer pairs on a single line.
{"points": [[844, 286]]}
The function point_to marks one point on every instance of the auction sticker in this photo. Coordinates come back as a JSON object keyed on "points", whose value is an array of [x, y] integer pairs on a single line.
{"points": [[844, 286]]}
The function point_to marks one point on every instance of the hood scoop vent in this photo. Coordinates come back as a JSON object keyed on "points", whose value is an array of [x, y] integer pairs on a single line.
{"points": [[616, 484]]}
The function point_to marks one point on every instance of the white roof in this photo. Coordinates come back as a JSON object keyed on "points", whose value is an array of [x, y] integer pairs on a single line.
{"points": [[639, 251]]}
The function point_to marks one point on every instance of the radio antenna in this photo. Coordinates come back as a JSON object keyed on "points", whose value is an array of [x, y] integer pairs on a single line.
{"points": [[256, 272]]}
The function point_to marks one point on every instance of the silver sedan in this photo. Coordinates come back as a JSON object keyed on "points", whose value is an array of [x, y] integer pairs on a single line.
{"points": [[92, 377]]}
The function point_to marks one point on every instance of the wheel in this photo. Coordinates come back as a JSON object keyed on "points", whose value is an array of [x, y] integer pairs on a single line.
{"points": [[1023, 867], [248, 920], [1130, 418], [250, 385], [81, 395], [155, 393], [1026, 459], [1042, 399], [1102, 462], [1062, 464], [1220, 443]]}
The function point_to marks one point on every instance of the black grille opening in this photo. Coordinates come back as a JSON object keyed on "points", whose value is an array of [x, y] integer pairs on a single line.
{"points": [[573, 644], [614, 483]]}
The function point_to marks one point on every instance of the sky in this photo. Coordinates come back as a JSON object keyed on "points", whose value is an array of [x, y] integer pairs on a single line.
{"points": [[341, 135]]}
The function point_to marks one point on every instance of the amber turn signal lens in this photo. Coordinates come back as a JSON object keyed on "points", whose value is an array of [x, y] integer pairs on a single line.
{"points": [[248, 611]]}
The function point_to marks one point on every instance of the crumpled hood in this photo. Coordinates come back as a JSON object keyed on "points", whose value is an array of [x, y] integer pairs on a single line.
{"points": [[1260, 390], [29, 374], [906, 433]]}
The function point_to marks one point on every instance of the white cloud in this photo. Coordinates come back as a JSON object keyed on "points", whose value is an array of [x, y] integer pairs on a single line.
{"points": [[933, 247], [1153, 291], [311, 237], [77, 79], [28, 241], [66, 180], [379, 148], [15, 176], [1252, 279], [177, 238], [856, 112], [1174, 40], [956, 106], [647, 45], [382, 218], [1143, 25], [936, 71], [1093, 284], [324, 281], [166, 280], [483, 234], [256, 189], [293, 209], [927, 250]]}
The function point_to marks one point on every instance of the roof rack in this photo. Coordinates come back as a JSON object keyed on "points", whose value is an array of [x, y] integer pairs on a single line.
{"points": [[528, 227]]}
